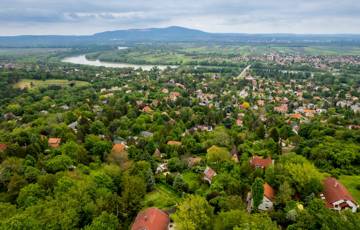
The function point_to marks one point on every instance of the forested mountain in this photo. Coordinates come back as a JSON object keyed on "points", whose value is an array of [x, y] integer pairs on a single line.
{"points": [[169, 34]]}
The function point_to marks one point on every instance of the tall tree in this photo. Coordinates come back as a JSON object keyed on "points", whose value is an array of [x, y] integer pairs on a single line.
{"points": [[257, 192], [194, 213]]}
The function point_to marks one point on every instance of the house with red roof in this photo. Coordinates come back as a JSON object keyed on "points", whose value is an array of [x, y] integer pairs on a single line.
{"points": [[336, 196], [3, 147], [174, 143], [147, 109], [54, 142], [151, 219], [282, 108], [209, 174], [268, 199], [259, 162], [296, 116], [119, 148]]}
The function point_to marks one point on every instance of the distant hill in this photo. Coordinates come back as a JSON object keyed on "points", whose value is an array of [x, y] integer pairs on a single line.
{"points": [[169, 34], [173, 33]]}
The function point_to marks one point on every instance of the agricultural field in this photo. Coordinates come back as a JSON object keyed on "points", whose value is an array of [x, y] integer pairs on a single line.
{"points": [[31, 83], [219, 54]]}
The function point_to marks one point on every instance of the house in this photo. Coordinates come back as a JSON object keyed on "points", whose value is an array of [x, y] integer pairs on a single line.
{"points": [[174, 95], [239, 122], [146, 134], [336, 196], [147, 109], [174, 143], [209, 174], [261, 103], [234, 154], [74, 126], [118, 155], [118, 148], [309, 112], [281, 109], [3, 147], [151, 219], [163, 167], [268, 199], [54, 142], [157, 154], [295, 116], [9, 116], [192, 161], [259, 162]]}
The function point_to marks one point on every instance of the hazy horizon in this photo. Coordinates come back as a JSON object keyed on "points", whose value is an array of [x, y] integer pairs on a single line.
{"points": [[44, 17]]}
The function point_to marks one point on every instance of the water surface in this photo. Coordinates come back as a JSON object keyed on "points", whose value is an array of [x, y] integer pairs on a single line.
{"points": [[82, 60]]}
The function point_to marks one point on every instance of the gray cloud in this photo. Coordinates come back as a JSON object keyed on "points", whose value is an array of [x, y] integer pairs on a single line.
{"points": [[91, 16]]}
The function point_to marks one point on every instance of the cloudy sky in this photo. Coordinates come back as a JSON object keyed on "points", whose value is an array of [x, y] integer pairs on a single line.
{"points": [[241, 16]]}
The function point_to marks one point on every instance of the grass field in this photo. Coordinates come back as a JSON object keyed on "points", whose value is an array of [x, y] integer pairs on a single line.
{"points": [[350, 182], [162, 197], [30, 83]]}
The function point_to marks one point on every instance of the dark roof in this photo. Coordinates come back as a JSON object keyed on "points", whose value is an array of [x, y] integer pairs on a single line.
{"points": [[151, 219]]}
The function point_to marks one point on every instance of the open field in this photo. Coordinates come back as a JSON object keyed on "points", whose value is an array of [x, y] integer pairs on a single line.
{"points": [[351, 182], [30, 83], [162, 197], [215, 54]]}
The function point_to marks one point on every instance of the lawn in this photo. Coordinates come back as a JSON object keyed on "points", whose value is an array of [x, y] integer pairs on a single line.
{"points": [[162, 197], [30, 83], [350, 182]]}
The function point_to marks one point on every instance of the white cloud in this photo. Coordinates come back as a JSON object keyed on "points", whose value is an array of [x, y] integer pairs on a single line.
{"points": [[243, 16]]}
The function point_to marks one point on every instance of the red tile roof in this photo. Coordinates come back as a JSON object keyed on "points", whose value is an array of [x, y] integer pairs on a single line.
{"points": [[3, 147], [118, 148], [260, 162], [54, 142], [335, 191], [147, 109], [151, 219], [269, 191], [296, 115], [176, 143], [281, 109]]}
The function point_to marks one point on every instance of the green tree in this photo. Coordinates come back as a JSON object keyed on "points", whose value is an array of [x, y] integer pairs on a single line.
{"points": [[179, 184], [257, 192], [260, 131], [217, 154], [75, 151], [194, 213], [134, 189], [284, 193], [105, 221], [29, 195], [274, 134], [58, 163], [143, 170]]}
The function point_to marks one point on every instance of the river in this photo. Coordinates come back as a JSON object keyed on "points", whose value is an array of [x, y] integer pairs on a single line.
{"points": [[82, 60]]}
